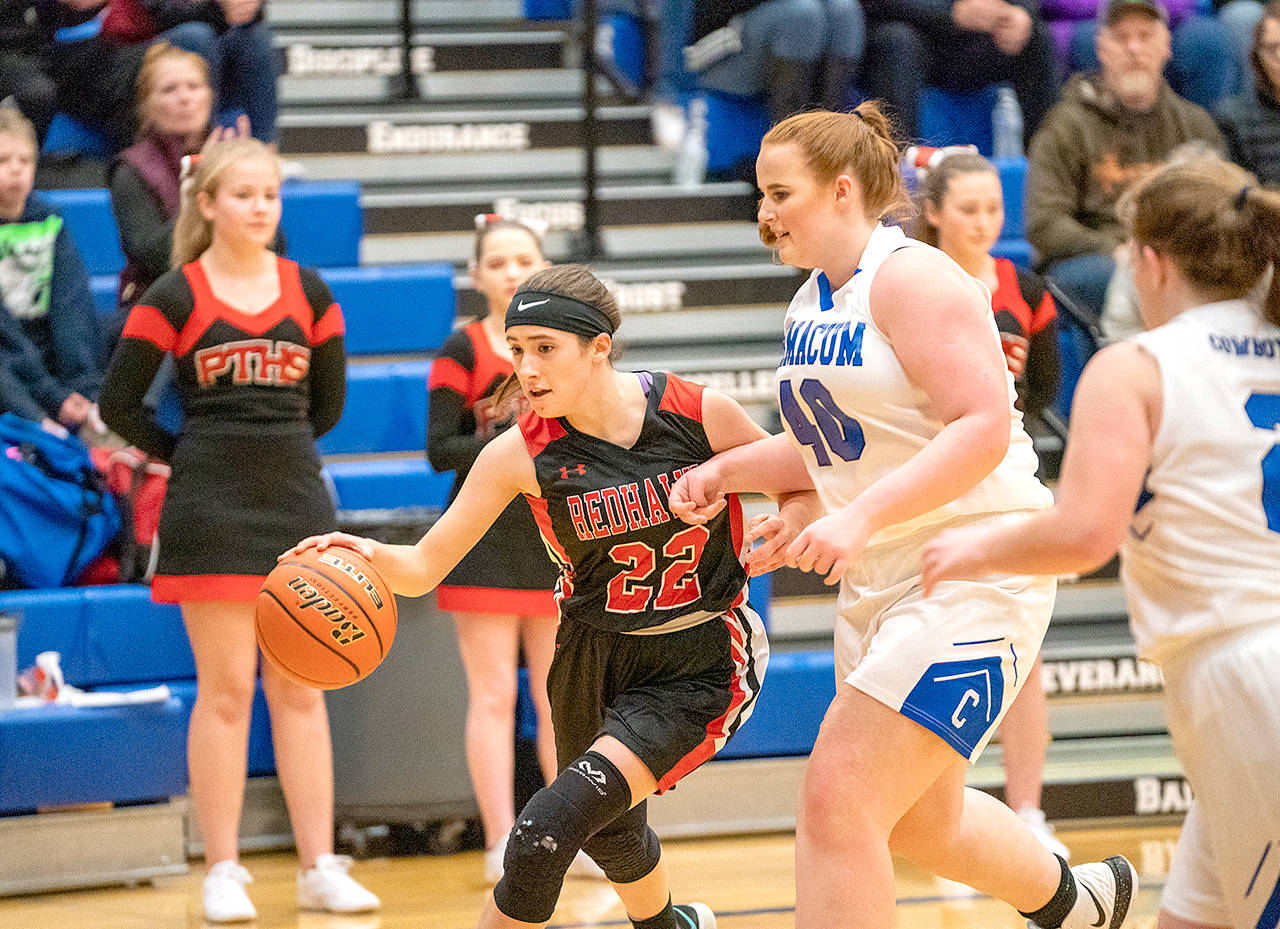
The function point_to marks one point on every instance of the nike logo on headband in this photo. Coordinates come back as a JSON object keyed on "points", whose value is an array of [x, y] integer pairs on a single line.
{"points": [[524, 306]]}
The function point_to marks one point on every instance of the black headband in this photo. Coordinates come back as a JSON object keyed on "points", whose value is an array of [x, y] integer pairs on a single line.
{"points": [[556, 311]]}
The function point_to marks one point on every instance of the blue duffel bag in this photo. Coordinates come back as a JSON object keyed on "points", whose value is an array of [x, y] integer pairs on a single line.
{"points": [[56, 514]]}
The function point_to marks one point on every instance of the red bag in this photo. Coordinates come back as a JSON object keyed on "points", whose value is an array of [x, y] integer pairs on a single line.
{"points": [[138, 483], [128, 22]]}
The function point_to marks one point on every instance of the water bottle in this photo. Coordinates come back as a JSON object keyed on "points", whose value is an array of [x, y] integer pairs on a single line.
{"points": [[691, 162], [1006, 125]]}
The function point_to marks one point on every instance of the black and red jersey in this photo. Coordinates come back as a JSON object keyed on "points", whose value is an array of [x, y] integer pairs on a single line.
{"points": [[461, 417], [235, 371], [626, 563]]}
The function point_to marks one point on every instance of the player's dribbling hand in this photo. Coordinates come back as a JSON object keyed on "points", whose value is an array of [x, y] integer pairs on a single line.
{"points": [[830, 545], [697, 497], [332, 540], [952, 554]]}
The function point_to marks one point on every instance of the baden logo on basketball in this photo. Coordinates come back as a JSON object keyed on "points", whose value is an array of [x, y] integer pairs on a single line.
{"points": [[355, 573], [344, 631]]}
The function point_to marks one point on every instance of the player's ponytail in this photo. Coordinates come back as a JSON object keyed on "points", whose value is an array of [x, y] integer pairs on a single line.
{"points": [[1221, 229], [192, 233], [1260, 213], [860, 143]]}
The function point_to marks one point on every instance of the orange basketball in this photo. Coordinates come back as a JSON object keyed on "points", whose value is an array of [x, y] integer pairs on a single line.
{"points": [[325, 619]]}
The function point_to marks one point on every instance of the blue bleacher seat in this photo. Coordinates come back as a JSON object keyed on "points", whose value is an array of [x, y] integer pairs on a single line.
{"points": [[59, 755], [106, 635], [952, 118], [92, 226], [386, 410], [1013, 183], [389, 310], [321, 220], [363, 485], [799, 686], [69, 136], [548, 9], [735, 126]]}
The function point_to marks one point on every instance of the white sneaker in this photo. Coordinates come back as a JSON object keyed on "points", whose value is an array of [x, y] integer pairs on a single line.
{"points": [[493, 862], [1041, 829], [583, 866], [329, 888], [1105, 891], [694, 916], [225, 900]]}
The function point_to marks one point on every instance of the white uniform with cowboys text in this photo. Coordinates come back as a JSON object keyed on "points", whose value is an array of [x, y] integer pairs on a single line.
{"points": [[1202, 577], [954, 661]]}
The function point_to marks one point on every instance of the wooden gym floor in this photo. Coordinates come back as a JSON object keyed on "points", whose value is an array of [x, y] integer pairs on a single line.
{"points": [[746, 880]]}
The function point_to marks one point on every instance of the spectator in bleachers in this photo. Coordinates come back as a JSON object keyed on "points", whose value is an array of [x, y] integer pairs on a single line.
{"points": [[22, 76], [1202, 66], [500, 598], [231, 35], [1109, 129], [44, 290], [1250, 122], [1238, 18], [958, 45], [175, 106], [794, 54], [245, 485], [94, 77]]}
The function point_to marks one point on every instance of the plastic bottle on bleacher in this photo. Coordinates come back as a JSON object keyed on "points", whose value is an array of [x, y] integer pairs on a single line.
{"points": [[691, 162], [1006, 125]]}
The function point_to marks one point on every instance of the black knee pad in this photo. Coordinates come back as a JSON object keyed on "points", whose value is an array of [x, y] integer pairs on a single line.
{"points": [[627, 849], [555, 823]]}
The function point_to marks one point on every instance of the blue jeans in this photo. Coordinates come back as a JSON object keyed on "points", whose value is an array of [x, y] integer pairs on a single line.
{"points": [[1204, 68], [1084, 279], [242, 69]]}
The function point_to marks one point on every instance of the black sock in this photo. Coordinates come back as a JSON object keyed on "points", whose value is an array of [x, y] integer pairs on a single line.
{"points": [[663, 919], [1051, 915]]}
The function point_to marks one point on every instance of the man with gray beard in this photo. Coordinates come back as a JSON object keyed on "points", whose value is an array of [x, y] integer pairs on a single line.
{"points": [[1109, 129]]}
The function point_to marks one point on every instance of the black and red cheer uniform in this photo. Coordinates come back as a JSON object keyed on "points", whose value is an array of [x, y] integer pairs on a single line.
{"points": [[504, 573], [256, 391]]}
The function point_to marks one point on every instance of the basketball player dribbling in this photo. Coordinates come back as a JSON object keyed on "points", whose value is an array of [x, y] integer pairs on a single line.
{"points": [[659, 657], [896, 398], [1173, 458]]}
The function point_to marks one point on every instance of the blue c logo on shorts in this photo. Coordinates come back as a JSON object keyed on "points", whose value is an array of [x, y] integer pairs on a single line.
{"points": [[958, 700]]}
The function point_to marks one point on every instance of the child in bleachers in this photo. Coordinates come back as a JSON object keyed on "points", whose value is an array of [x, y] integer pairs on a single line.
{"points": [[53, 345], [962, 212]]}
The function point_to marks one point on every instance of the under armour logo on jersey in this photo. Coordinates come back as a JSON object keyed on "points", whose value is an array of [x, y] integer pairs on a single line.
{"points": [[576, 469]]}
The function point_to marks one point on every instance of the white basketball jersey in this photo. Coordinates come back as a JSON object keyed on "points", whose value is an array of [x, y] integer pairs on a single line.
{"points": [[1203, 552], [848, 405]]}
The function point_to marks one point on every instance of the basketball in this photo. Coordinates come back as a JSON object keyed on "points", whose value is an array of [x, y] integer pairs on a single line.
{"points": [[325, 618]]}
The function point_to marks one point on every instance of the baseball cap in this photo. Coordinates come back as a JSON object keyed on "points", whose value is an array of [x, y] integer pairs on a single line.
{"points": [[1118, 9]]}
